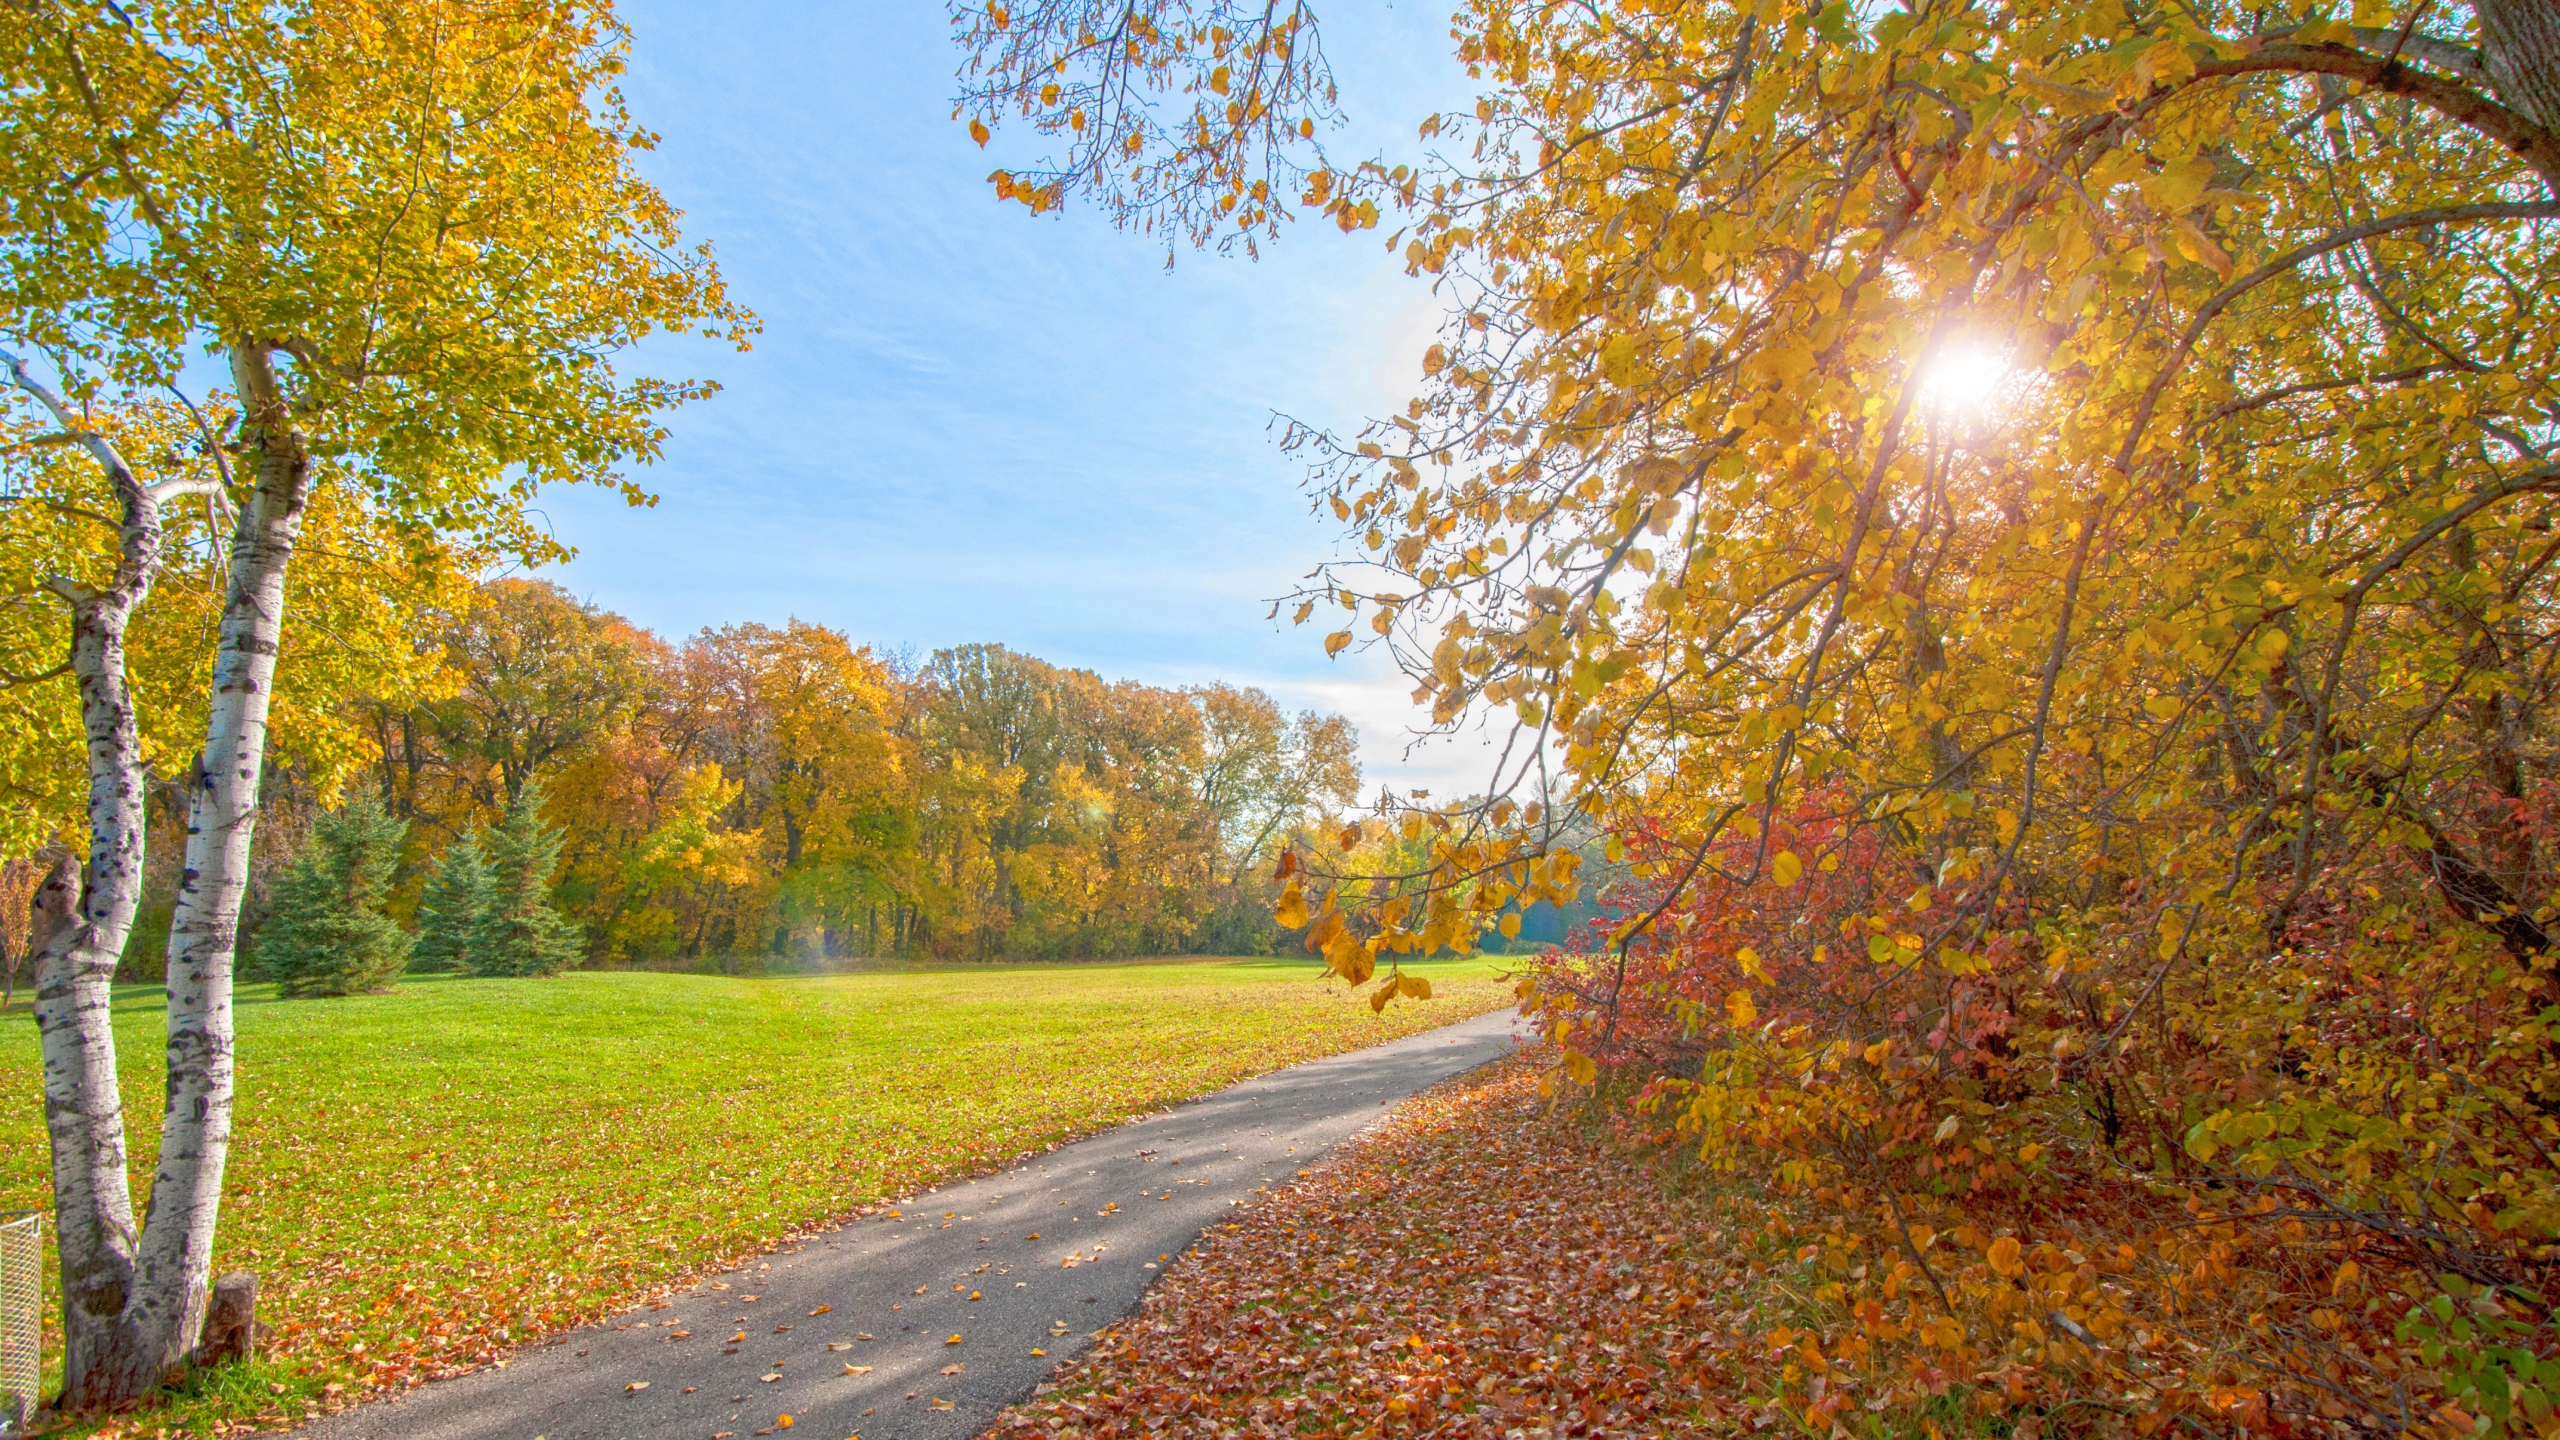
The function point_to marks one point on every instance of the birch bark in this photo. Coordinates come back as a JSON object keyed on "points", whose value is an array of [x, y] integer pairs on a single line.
{"points": [[176, 1258], [134, 1300], [85, 916]]}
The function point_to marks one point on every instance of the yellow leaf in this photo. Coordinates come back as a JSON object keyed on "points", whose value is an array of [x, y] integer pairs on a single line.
{"points": [[1292, 909], [1378, 1002], [979, 132], [1414, 986], [2199, 247], [1334, 643], [1739, 1009], [1786, 869], [954, 1340], [2004, 1256]]}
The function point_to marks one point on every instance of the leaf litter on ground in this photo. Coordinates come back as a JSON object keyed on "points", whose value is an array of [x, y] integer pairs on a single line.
{"points": [[1477, 1266]]}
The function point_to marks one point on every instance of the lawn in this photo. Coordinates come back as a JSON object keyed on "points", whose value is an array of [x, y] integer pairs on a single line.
{"points": [[424, 1177]]}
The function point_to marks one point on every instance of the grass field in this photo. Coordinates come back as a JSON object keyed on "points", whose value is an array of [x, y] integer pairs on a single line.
{"points": [[424, 1177]]}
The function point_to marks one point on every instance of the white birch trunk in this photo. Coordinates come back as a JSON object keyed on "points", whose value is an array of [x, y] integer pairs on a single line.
{"points": [[134, 1302], [85, 914], [175, 1263]]}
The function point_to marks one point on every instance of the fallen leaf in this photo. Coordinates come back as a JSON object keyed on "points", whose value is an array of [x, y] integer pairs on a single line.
{"points": [[768, 1379], [842, 1344], [942, 1405], [1037, 1351], [822, 1310], [680, 1335], [1034, 1235], [857, 1369], [953, 1369], [741, 1335], [954, 1340], [635, 1385], [862, 1335]]}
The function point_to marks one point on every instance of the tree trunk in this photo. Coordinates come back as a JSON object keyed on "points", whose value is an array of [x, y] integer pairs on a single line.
{"points": [[85, 913], [2520, 48], [135, 1306], [222, 812]]}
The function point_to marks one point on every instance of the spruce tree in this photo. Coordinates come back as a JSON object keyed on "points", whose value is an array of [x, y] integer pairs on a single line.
{"points": [[327, 934], [521, 933], [450, 909]]}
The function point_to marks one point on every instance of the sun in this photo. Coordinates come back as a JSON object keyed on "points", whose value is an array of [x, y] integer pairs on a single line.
{"points": [[1964, 377]]}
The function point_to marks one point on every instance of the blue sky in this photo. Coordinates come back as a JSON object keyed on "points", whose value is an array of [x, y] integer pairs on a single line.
{"points": [[965, 423]]}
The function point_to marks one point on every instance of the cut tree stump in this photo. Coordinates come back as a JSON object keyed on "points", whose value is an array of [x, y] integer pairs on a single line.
{"points": [[231, 1325]]}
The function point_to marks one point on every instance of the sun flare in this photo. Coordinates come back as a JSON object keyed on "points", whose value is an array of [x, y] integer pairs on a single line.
{"points": [[1965, 377]]}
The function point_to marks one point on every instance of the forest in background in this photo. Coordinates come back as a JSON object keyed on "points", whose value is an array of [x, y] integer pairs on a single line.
{"points": [[755, 797]]}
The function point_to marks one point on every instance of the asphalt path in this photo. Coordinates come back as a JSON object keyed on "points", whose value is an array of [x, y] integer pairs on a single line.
{"points": [[924, 1323]]}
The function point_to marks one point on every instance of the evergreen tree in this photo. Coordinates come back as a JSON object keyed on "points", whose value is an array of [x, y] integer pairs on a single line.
{"points": [[450, 909], [521, 933], [327, 934]]}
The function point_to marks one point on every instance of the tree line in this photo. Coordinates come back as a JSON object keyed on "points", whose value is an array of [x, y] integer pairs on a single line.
{"points": [[758, 794]]}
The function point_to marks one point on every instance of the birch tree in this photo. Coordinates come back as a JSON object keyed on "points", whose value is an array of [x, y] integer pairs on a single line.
{"points": [[412, 237]]}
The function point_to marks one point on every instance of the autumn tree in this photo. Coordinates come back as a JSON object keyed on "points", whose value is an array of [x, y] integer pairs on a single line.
{"points": [[2029, 530], [411, 234], [539, 676], [1263, 772], [810, 732]]}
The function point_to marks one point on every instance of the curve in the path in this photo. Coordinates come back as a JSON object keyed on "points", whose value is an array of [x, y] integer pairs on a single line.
{"points": [[923, 1324]]}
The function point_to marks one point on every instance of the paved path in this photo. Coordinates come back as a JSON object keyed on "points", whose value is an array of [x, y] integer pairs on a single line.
{"points": [[851, 1332]]}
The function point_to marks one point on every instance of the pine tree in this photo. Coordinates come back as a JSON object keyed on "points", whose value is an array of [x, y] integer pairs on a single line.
{"points": [[327, 934], [521, 933], [457, 895]]}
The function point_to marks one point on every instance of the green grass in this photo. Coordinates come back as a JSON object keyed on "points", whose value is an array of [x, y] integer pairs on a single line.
{"points": [[424, 1177]]}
